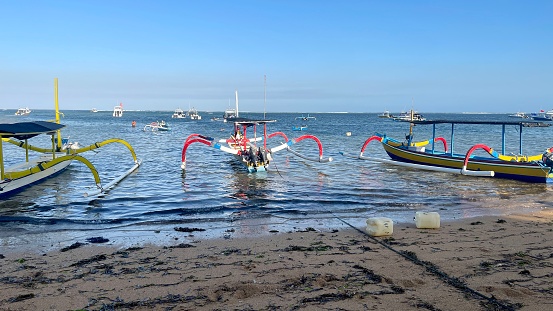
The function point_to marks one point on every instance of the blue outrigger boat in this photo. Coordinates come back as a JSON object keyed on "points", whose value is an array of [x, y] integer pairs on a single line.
{"points": [[427, 156]]}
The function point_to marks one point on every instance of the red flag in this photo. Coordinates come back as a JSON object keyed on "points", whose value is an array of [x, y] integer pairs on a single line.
{"points": [[542, 110]]}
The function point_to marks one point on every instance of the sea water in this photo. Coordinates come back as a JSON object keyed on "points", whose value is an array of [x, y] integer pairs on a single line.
{"points": [[217, 195]]}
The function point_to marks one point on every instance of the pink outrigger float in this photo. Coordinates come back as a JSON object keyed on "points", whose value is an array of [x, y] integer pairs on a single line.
{"points": [[252, 152]]}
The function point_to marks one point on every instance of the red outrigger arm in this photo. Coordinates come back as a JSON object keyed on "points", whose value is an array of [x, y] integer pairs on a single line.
{"points": [[193, 138], [367, 143]]}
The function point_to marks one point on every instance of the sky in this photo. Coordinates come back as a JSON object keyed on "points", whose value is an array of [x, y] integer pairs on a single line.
{"points": [[280, 55]]}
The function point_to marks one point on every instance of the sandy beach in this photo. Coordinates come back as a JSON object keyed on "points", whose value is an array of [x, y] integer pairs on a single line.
{"points": [[485, 263]]}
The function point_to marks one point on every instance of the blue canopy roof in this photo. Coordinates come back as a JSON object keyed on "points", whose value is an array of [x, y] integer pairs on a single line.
{"points": [[25, 130]]}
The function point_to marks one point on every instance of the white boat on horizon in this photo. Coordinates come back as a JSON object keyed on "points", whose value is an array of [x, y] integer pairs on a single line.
{"points": [[178, 114], [408, 116], [521, 115], [231, 114], [193, 114], [23, 112], [118, 111]]}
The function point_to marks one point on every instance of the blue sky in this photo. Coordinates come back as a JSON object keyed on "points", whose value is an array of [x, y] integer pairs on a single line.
{"points": [[317, 55]]}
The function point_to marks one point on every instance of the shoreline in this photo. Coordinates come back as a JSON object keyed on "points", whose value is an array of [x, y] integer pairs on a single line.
{"points": [[483, 263]]}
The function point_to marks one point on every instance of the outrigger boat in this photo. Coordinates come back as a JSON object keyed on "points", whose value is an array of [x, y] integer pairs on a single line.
{"points": [[306, 118], [157, 126], [51, 160], [424, 155], [252, 152]]}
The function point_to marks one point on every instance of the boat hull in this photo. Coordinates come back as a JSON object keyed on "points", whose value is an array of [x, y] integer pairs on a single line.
{"points": [[9, 187], [522, 171], [249, 167]]}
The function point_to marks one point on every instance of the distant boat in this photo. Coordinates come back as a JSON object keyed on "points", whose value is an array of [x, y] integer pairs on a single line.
{"points": [[178, 114], [23, 112], [541, 117], [385, 114], [304, 118], [231, 114], [519, 115], [299, 128], [157, 126], [193, 114], [94, 110], [118, 111], [411, 115]]}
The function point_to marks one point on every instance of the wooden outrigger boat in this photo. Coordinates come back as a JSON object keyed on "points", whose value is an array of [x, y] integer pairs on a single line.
{"points": [[425, 155], [51, 160], [157, 126], [252, 152]]}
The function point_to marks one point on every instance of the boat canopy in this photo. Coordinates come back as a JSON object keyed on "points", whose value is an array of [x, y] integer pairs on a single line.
{"points": [[26, 130]]}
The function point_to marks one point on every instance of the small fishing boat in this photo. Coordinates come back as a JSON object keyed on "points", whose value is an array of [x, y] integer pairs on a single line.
{"points": [[118, 111], [23, 112], [94, 110], [51, 161], [521, 115], [252, 150], [193, 114], [299, 128], [385, 115], [157, 126], [179, 114], [409, 116], [426, 155], [231, 114], [306, 118], [541, 117]]}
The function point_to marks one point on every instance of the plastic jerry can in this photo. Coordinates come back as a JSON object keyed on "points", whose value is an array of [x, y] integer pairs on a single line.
{"points": [[427, 220], [379, 226]]}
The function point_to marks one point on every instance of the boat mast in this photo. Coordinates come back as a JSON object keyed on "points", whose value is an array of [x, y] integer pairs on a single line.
{"points": [[57, 107], [264, 95], [236, 95]]}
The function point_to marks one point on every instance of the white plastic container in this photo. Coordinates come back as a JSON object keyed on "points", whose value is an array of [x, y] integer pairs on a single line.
{"points": [[379, 226], [427, 220]]}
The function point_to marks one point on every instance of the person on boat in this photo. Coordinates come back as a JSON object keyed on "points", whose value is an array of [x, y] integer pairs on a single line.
{"points": [[236, 136], [133, 123]]}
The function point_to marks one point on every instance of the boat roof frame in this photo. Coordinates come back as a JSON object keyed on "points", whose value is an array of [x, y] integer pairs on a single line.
{"points": [[520, 125]]}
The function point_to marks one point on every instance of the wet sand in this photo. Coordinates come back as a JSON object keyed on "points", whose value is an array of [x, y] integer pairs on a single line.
{"points": [[485, 263]]}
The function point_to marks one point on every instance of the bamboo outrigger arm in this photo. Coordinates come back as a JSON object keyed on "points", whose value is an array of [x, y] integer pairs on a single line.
{"points": [[46, 165], [97, 145], [103, 143], [24, 145]]}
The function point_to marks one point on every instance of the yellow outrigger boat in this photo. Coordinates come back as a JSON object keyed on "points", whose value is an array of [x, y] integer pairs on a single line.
{"points": [[426, 155], [51, 160]]}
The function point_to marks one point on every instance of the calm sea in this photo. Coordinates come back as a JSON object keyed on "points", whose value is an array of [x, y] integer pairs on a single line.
{"points": [[217, 195]]}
